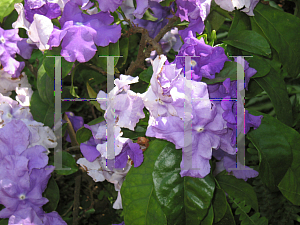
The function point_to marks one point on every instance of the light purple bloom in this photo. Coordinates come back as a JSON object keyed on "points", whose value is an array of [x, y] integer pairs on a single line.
{"points": [[132, 150], [230, 5], [159, 12], [109, 5], [48, 9], [8, 48], [192, 9], [210, 62], [82, 32], [196, 25], [228, 162], [125, 107]]}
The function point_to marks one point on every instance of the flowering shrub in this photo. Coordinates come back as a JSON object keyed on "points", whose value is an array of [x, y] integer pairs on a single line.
{"points": [[200, 124]]}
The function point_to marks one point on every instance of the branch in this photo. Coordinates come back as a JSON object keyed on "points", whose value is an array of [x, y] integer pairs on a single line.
{"points": [[154, 44]]}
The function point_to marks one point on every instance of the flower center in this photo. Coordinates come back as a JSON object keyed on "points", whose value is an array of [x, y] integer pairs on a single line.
{"points": [[193, 62], [79, 24], [22, 197], [200, 129], [2, 40], [160, 102]]}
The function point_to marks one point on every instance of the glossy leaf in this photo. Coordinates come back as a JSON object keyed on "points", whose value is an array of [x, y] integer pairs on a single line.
{"points": [[6, 7], [209, 218], [112, 49], [185, 200], [275, 148], [238, 188], [41, 111], [52, 194], [220, 205], [124, 46], [249, 41], [260, 64], [275, 87], [138, 198], [45, 86], [281, 30]]}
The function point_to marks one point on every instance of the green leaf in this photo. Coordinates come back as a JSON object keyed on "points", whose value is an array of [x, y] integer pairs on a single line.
{"points": [[220, 205], [243, 210], [249, 41], [6, 7], [45, 86], [49, 63], [275, 87], [139, 131], [138, 198], [91, 76], [148, 16], [83, 134], [281, 30], [275, 148], [52, 194], [228, 217], [3, 221], [95, 121], [260, 64], [68, 161], [93, 94], [184, 200], [215, 19], [146, 74], [112, 49], [238, 188], [166, 2], [229, 71], [124, 47], [41, 111], [209, 219]]}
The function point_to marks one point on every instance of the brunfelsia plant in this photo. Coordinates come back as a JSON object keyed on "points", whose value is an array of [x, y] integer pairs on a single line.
{"points": [[160, 175]]}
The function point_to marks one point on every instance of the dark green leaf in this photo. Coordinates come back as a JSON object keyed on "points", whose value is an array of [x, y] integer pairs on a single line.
{"points": [[49, 63], [281, 30], [45, 86], [260, 64], [68, 161], [83, 135], [215, 19], [238, 188], [220, 204], [146, 74], [41, 111], [185, 200], [3, 221], [275, 149], [138, 198], [52, 194], [209, 218], [275, 87], [228, 217], [124, 46], [112, 49], [250, 41]]}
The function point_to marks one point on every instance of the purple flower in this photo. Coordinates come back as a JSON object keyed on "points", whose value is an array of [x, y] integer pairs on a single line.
{"points": [[192, 9], [196, 25], [171, 40], [125, 107], [249, 72], [210, 62], [251, 121], [50, 10], [132, 150], [80, 32], [8, 48], [109, 5], [228, 162], [159, 12]]}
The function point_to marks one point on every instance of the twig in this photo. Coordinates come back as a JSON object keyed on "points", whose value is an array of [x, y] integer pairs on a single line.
{"points": [[77, 198], [71, 131], [69, 209], [154, 45]]}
